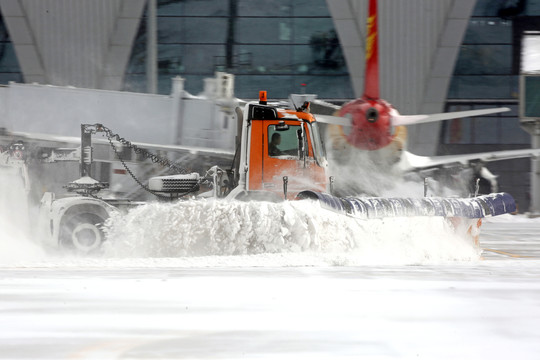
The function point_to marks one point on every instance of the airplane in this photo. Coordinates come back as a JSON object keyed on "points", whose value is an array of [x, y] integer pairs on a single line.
{"points": [[370, 130]]}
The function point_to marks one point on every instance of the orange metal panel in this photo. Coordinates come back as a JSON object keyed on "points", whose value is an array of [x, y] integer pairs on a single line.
{"points": [[257, 145], [267, 172]]}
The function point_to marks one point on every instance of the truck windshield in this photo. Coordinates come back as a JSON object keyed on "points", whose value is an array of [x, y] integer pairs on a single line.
{"points": [[283, 142]]}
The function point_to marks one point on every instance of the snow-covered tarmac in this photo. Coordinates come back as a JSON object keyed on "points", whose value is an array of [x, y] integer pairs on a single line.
{"points": [[286, 305]]}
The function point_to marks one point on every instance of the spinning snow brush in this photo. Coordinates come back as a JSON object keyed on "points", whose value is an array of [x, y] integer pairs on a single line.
{"points": [[376, 207]]}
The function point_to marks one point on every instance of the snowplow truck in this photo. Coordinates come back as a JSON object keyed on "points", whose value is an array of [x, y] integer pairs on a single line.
{"points": [[280, 156]]}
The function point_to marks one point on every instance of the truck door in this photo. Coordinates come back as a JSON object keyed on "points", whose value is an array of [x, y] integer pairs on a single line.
{"points": [[289, 154], [282, 157], [273, 154]]}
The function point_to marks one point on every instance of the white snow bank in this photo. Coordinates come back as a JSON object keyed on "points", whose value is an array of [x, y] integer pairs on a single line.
{"points": [[15, 227], [206, 228]]}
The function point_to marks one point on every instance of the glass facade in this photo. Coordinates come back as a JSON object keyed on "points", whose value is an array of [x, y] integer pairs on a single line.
{"points": [[282, 46], [486, 74], [496, 129], [483, 69], [9, 65]]}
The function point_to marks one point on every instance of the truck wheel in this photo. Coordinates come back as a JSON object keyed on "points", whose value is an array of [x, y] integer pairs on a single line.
{"points": [[82, 233]]}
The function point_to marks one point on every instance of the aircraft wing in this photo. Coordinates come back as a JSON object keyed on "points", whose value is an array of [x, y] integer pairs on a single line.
{"points": [[194, 150], [41, 139], [412, 162], [49, 140], [398, 120], [334, 120]]}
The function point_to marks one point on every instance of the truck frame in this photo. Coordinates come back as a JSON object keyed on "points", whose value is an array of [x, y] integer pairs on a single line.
{"points": [[280, 156]]}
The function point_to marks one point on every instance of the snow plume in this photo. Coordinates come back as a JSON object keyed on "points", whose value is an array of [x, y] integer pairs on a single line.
{"points": [[15, 226], [358, 172], [377, 173], [199, 228]]}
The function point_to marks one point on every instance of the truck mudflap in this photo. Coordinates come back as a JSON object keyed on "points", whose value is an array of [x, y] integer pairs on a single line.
{"points": [[377, 207]]}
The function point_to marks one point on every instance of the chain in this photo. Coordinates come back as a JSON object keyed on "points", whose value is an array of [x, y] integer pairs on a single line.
{"points": [[147, 155], [139, 151]]}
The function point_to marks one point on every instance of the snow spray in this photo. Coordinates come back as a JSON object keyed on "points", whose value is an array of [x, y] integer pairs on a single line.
{"points": [[196, 228], [15, 225]]}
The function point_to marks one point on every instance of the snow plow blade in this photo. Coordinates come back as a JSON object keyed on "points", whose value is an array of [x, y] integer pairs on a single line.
{"points": [[375, 207]]}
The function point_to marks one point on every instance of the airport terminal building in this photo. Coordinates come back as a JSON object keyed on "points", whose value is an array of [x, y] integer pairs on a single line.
{"points": [[435, 56]]}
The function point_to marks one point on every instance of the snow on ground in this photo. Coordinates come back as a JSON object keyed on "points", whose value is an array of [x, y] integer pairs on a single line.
{"points": [[271, 281]]}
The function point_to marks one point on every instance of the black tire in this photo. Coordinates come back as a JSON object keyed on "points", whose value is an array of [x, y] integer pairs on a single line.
{"points": [[82, 233]]}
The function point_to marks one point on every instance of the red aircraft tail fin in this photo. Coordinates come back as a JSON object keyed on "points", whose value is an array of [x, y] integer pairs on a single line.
{"points": [[371, 85]]}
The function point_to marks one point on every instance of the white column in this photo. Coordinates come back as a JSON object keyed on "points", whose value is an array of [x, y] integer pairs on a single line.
{"points": [[151, 48], [177, 110]]}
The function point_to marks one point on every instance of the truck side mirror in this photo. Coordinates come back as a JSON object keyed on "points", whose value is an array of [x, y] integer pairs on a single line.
{"points": [[282, 126]]}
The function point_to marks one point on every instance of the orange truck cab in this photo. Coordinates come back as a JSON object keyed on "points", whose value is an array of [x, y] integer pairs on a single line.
{"points": [[281, 153]]}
